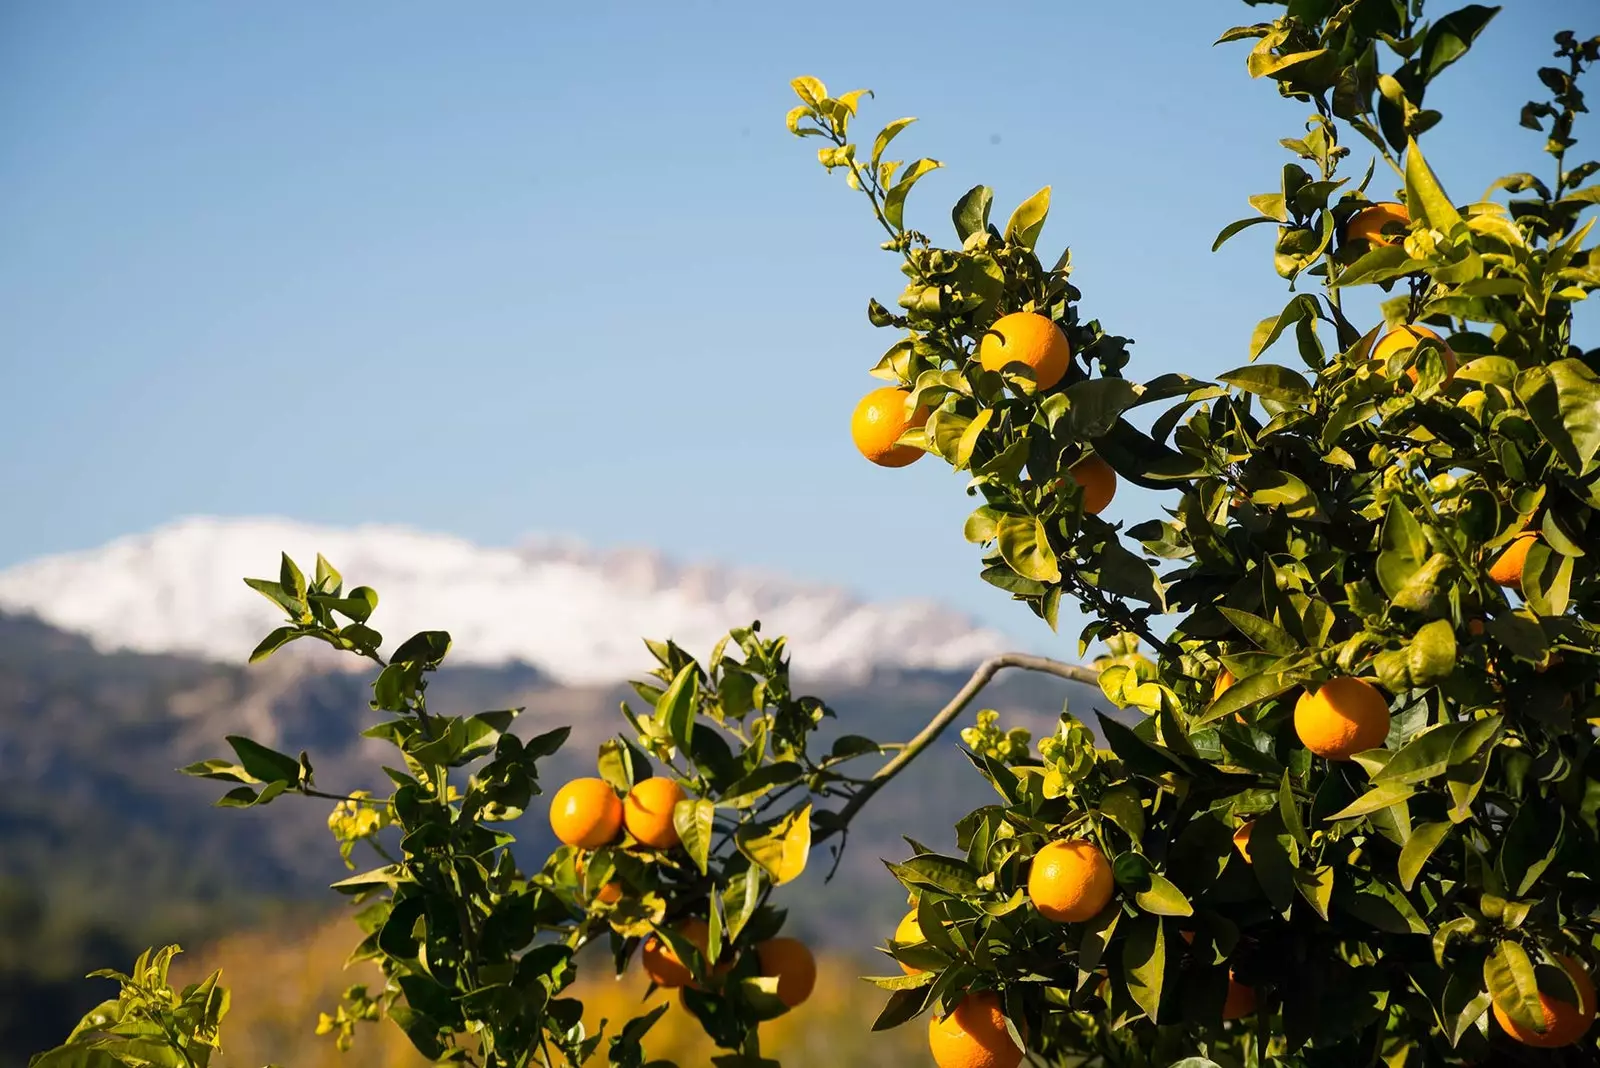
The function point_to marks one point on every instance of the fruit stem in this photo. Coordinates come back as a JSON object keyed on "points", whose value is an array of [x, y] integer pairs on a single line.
{"points": [[985, 672]]}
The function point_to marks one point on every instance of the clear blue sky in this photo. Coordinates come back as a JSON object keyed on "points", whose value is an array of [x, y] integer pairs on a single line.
{"points": [[507, 268]]}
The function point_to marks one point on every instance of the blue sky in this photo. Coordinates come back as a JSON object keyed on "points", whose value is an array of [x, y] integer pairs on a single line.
{"points": [[511, 268]]}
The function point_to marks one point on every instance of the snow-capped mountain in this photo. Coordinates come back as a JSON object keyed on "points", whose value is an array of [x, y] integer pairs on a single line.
{"points": [[576, 614]]}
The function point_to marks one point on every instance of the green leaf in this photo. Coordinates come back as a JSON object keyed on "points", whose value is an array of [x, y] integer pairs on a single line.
{"points": [[1025, 546], [1245, 693], [1449, 38], [1271, 328], [887, 134], [1531, 843], [1144, 963], [274, 592], [428, 647], [1266, 635], [1235, 227], [1122, 806], [1026, 222], [621, 764], [969, 439], [1418, 848], [894, 202], [1431, 656], [1094, 405], [1272, 381], [1316, 887], [1508, 973], [971, 214], [1425, 199], [692, 817], [292, 581], [273, 642], [1431, 754], [267, 765], [780, 848], [1563, 400], [809, 89], [675, 710], [1162, 898], [947, 874], [1374, 800], [1379, 265], [1289, 812]]}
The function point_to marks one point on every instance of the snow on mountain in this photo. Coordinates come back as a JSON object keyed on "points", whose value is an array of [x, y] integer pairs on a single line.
{"points": [[575, 613]]}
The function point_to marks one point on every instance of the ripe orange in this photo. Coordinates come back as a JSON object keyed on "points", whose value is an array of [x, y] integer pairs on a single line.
{"points": [[973, 1036], [665, 968], [1031, 340], [1405, 337], [791, 961], [648, 812], [1241, 840], [1507, 568], [1564, 1023], [879, 420], [908, 930], [1070, 881], [1368, 224], [1098, 480], [1345, 716], [1241, 999], [1224, 680], [586, 813]]}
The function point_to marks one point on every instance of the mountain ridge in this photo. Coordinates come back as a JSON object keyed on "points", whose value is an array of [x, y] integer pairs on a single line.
{"points": [[573, 613]]}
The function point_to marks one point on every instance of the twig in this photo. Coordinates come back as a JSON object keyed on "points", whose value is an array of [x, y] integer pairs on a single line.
{"points": [[936, 726]]}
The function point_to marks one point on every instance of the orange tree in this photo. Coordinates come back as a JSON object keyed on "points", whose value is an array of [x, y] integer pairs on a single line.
{"points": [[1359, 809], [1355, 818]]}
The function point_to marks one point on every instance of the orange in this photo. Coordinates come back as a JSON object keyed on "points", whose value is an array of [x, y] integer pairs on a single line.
{"points": [[973, 1036], [907, 931], [1564, 1023], [1405, 337], [1224, 680], [878, 422], [1031, 340], [1344, 717], [791, 961], [1241, 999], [1099, 483], [648, 812], [1369, 223], [1507, 568], [1241, 840], [665, 968], [586, 813], [1070, 881]]}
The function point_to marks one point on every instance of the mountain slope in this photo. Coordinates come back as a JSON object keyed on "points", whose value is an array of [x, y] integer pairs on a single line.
{"points": [[575, 614]]}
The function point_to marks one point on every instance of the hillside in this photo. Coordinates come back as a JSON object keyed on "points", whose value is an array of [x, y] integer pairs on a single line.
{"points": [[106, 848]]}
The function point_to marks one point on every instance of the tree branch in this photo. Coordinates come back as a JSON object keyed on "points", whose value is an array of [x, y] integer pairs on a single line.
{"points": [[928, 735]]}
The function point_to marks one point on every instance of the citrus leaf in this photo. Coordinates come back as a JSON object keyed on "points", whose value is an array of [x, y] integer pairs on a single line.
{"points": [[1418, 848], [1508, 973], [1025, 223], [1025, 546], [692, 818]]}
